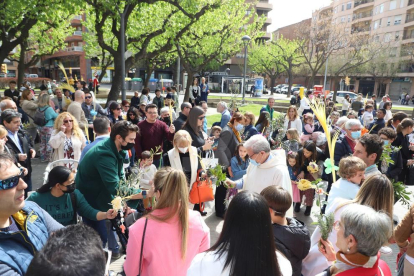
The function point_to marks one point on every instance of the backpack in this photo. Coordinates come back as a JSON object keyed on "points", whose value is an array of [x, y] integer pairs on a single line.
{"points": [[293, 101], [39, 117]]}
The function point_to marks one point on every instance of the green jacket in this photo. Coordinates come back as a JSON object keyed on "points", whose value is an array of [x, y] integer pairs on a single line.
{"points": [[99, 174], [159, 102]]}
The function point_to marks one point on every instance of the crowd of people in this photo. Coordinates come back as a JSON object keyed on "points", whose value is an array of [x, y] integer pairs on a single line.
{"points": [[95, 148]]}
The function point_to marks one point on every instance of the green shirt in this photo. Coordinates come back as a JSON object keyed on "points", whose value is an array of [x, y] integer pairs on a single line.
{"points": [[61, 209]]}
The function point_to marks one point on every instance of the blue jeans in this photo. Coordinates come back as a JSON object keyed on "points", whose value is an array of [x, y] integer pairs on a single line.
{"points": [[106, 233]]}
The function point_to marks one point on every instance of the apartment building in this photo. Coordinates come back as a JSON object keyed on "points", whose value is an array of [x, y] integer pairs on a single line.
{"points": [[390, 21]]}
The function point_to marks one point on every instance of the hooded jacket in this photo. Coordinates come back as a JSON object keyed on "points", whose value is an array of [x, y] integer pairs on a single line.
{"points": [[293, 240], [272, 172]]}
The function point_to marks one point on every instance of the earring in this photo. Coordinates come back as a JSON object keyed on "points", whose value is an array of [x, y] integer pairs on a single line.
{"points": [[347, 250]]}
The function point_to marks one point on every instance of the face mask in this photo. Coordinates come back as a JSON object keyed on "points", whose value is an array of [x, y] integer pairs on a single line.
{"points": [[183, 150], [93, 112], [166, 120], [128, 146], [239, 127], [69, 189], [356, 134], [386, 143], [254, 162]]}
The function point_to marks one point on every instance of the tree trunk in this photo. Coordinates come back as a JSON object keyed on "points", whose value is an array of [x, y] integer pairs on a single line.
{"points": [[289, 72], [311, 80], [189, 84], [272, 83], [335, 80], [148, 71], [21, 66], [116, 81]]}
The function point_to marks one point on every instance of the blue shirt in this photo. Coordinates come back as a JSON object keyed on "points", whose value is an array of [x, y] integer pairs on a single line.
{"points": [[15, 139], [89, 146]]}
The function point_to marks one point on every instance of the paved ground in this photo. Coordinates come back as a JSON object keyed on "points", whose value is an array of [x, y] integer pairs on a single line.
{"points": [[215, 224]]}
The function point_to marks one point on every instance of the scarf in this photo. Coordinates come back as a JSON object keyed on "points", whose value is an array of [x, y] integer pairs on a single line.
{"points": [[270, 110], [349, 261], [235, 132]]}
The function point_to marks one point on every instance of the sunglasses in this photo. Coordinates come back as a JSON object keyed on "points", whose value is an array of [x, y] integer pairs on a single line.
{"points": [[118, 108], [11, 182], [201, 118], [68, 121], [126, 105], [131, 114], [88, 97]]}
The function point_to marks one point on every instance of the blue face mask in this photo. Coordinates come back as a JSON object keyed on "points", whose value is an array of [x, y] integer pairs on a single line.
{"points": [[356, 134], [386, 142], [239, 127]]}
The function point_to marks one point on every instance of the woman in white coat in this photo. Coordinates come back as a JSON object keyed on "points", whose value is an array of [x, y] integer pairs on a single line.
{"points": [[67, 139], [185, 158], [292, 120]]}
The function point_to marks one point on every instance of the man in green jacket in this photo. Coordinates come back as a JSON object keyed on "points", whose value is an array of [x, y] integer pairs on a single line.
{"points": [[158, 100], [100, 172], [269, 107]]}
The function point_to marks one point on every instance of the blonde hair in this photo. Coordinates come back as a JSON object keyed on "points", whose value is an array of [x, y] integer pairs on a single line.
{"points": [[296, 112], [172, 185], [251, 116], [294, 134], [182, 136], [76, 131], [43, 100], [3, 131], [349, 166], [376, 192]]}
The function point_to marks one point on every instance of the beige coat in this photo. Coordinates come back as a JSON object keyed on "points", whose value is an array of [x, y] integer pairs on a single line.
{"points": [[175, 162], [30, 108], [57, 143], [404, 230], [75, 109]]}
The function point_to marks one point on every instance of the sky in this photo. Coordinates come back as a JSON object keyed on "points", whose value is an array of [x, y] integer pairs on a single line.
{"points": [[286, 12]]}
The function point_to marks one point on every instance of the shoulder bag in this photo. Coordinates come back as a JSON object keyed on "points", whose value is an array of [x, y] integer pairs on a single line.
{"points": [[201, 191]]}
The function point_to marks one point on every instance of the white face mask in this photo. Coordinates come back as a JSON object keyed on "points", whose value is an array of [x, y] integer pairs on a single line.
{"points": [[183, 150]]}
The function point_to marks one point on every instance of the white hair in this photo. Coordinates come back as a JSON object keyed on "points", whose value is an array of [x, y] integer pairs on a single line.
{"points": [[370, 228], [257, 143], [351, 123], [341, 121], [223, 104], [164, 109]]}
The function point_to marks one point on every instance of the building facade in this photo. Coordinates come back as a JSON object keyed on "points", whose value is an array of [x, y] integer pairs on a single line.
{"points": [[388, 21]]}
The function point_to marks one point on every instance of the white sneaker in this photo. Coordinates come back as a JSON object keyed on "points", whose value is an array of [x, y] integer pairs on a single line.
{"points": [[385, 250]]}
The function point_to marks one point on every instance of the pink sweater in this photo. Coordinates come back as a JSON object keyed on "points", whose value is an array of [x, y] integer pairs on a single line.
{"points": [[162, 245]]}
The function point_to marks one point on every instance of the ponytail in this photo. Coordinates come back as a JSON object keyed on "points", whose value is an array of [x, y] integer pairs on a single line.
{"points": [[58, 174], [407, 122]]}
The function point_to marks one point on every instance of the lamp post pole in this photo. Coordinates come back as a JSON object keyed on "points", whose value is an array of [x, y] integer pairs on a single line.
{"points": [[246, 40], [122, 44]]}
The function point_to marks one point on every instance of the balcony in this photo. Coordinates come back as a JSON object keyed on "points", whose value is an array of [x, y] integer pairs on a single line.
{"points": [[264, 5], [362, 2], [409, 17], [74, 49], [360, 29], [407, 50], [410, 2], [77, 33], [362, 15]]}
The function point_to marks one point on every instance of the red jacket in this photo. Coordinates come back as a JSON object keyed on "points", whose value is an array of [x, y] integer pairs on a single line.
{"points": [[380, 268]]}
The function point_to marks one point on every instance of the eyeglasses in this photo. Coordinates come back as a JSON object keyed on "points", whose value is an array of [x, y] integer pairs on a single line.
{"points": [[88, 97], [132, 114], [68, 121], [118, 108], [152, 113], [126, 106], [11, 182], [201, 118]]}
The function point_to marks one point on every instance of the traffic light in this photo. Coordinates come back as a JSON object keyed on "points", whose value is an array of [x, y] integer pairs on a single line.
{"points": [[4, 68], [347, 81]]}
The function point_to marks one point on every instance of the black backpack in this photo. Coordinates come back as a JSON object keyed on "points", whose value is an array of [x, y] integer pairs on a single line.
{"points": [[39, 117], [293, 101]]}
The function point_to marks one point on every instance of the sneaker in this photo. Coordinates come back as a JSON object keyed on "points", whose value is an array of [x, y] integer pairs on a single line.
{"points": [[386, 250], [115, 256]]}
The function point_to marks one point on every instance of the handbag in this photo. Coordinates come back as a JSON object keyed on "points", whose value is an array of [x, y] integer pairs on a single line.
{"points": [[201, 191], [142, 247], [209, 161]]}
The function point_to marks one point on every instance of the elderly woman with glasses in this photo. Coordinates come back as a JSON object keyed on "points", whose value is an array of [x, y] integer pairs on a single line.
{"points": [[67, 139], [361, 231]]}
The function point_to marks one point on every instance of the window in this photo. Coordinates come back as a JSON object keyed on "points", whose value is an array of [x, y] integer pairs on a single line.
{"points": [[393, 4], [248, 12], [397, 35], [387, 37], [343, 7], [376, 38], [401, 3], [349, 5], [393, 52], [349, 18], [376, 10], [389, 21], [335, 9], [342, 19], [376, 25], [381, 8], [380, 22], [397, 20]]}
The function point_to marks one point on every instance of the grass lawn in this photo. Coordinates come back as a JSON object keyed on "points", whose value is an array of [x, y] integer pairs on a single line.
{"points": [[248, 99], [254, 108]]}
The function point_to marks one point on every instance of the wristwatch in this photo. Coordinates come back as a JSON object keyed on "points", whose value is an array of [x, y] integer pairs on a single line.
{"points": [[144, 194]]}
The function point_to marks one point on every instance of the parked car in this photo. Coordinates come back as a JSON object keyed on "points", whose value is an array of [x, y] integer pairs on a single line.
{"points": [[340, 95], [32, 76], [277, 88], [297, 88], [284, 89]]}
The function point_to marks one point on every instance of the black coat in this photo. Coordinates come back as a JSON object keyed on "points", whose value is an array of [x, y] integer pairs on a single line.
{"points": [[293, 241], [26, 145], [179, 122], [198, 140], [342, 149], [226, 146], [135, 102]]}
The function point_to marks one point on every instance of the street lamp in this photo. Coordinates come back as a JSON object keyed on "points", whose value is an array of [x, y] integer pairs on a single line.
{"points": [[246, 40]]}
